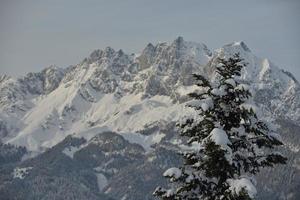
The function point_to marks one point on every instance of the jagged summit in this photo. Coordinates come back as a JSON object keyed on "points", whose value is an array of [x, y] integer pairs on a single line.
{"points": [[97, 54], [149, 49], [4, 77], [240, 44], [178, 41]]}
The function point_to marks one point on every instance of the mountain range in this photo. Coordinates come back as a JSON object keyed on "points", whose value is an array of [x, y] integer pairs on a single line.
{"points": [[105, 128]]}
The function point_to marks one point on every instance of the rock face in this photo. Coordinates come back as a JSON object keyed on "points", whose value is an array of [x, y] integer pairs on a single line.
{"points": [[124, 109]]}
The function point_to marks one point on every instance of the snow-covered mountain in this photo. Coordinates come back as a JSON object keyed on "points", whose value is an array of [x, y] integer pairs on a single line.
{"points": [[138, 96]]}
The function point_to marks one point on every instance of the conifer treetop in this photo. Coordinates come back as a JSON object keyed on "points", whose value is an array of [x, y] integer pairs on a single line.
{"points": [[235, 142]]}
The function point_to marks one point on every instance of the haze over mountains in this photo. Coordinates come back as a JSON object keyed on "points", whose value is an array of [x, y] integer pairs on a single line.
{"points": [[106, 126]]}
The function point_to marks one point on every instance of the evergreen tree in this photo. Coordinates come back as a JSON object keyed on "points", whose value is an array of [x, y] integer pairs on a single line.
{"points": [[234, 144]]}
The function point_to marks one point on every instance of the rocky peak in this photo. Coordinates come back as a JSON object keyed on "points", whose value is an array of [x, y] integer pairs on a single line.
{"points": [[148, 51], [52, 77], [146, 58], [4, 78], [99, 54], [178, 42], [149, 48], [43, 82], [167, 56], [233, 48], [95, 55], [237, 46], [108, 52], [185, 50], [244, 46]]}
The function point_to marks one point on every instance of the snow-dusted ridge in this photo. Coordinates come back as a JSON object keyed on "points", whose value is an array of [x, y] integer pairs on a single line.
{"points": [[110, 90]]}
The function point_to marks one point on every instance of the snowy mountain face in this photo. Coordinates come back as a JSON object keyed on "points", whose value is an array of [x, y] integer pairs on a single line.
{"points": [[139, 97], [17, 96]]}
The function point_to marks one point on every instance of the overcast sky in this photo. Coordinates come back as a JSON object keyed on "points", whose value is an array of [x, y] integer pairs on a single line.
{"points": [[37, 33]]}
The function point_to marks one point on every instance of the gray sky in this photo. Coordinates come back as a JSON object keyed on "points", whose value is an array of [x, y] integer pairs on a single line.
{"points": [[37, 33]]}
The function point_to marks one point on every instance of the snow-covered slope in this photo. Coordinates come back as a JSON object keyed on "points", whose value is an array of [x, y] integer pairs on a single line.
{"points": [[111, 90], [17, 97]]}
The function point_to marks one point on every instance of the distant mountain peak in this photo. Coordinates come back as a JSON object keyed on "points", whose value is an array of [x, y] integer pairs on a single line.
{"points": [[109, 51], [149, 48], [4, 77], [239, 45], [178, 41]]}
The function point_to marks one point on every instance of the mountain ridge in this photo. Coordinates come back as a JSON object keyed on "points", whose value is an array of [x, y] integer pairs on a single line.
{"points": [[161, 70], [112, 98]]}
